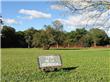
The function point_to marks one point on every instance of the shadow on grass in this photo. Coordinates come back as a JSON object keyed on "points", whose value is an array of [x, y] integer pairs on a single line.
{"points": [[69, 68], [66, 69]]}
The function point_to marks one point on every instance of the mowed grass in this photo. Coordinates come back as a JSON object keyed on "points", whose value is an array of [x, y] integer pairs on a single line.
{"points": [[90, 65]]}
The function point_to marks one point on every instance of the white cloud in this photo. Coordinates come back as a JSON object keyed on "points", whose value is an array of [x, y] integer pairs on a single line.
{"points": [[89, 19], [34, 14], [10, 21], [57, 7], [74, 21], [71, 23]]}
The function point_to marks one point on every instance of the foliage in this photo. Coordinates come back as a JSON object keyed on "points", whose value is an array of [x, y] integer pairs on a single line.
{"points": [[8, 37], [87, 40], [49, 36], [58, 25], [79, 37], [36, 41], [99, 37], [29, 36], [90, 10], [20, 36]]}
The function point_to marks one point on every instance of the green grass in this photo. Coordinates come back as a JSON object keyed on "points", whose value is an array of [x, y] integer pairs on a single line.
{"points": [[20, 65]]}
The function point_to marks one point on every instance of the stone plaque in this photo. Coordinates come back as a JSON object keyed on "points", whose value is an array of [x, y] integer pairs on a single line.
{"points": [[49, 61]]}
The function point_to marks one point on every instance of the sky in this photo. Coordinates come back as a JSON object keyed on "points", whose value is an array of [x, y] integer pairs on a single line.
{"points": [[24, 14]]}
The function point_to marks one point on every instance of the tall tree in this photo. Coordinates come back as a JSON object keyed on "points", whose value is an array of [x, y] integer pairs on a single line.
{"points": [[57, 25], [58, 36], [8, 38], [29, 36], [99, 37], [99, 10], [69, 38], [21, 42], [36, 41], [87, 40], [80, 33], [47, 37]]}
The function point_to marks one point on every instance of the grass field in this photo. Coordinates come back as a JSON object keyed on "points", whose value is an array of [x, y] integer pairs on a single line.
{"points": [[89, 65]]}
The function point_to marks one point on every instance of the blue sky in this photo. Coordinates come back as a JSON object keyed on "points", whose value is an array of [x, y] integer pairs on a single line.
{"points": [[10, 10], [26, 14]]}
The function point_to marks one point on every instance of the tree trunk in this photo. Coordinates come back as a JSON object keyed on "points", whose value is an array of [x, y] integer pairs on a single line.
{"points": [[28, 45], [94, 43], [46, 47], [57, 45], [68, 45]]}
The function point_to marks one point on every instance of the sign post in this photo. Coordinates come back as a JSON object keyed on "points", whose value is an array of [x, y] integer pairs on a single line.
{"points": [[50, 62]]}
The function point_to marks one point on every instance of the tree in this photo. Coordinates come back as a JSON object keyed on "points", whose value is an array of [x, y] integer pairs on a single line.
{"points": [[1, 23], [1, 20], [76, 37], [51, 34], [57, 25], [70, 38], [79, 36], [58, 32], [36, 41], [29, 36], [8, 38], [21, 42], [99, 37], [109, 41], [67, 39], [87, 40], [47, 37], [99, 10], [45, 40]]}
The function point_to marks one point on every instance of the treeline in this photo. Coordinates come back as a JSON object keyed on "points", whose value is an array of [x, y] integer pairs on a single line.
{"points": [[52, 37]]}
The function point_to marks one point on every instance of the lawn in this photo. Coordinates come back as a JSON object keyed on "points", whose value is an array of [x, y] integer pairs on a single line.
{"points": [[88, 65]]}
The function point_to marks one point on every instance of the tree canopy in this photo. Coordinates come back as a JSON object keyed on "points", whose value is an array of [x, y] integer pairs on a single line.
{"points": [[50, 37], [96, 13]]}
